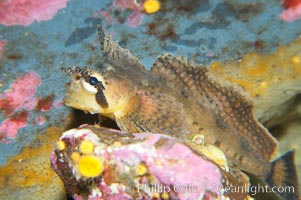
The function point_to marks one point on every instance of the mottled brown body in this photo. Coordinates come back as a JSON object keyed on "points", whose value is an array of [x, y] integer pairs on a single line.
{"points": [[177, 98], [220, 113]]}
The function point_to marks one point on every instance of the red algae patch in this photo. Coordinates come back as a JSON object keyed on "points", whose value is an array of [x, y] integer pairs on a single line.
{"points": [[45, 104], [292, 10], [24, 12], [10, 126], [16, 102], [21, 94]]}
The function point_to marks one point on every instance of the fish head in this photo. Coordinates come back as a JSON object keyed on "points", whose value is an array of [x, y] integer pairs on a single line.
{"points": [[102, 91]]}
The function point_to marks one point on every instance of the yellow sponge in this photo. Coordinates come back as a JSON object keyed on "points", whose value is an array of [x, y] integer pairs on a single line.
{"points": [[151, 6], [165, 195], [61, 145], [90, 166], [86, 147], [141, 169], [75, 156]]}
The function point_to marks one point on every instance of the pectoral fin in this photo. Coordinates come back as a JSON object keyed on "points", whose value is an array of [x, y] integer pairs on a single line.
{"points": [[153, 112]]}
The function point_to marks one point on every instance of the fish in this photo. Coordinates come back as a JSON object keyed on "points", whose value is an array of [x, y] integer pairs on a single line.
{"points": [[182, 99], [95, 162]]}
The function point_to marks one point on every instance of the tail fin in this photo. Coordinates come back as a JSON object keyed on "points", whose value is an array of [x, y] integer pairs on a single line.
{"points": [[283, 177]]}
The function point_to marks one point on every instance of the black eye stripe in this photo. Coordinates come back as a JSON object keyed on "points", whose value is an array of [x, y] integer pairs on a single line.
{"points": [[101, 99], [100, 86]]}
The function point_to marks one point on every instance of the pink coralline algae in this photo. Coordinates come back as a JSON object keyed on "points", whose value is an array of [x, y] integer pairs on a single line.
{"points": [[40, 120], [292, 10], [16, 102], [106, 15], [21, 94], [24, 12], [58, 104], [10, 126], [136, 166], [135, 18], [127, 4], [2, 44]]}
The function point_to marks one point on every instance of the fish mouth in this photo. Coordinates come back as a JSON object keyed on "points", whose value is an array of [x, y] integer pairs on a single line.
{"points": [[82, 101], [75, 102], [68, 100], [73, 95]]}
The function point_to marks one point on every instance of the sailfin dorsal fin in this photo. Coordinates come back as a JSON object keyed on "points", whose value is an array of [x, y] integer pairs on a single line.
{"points": [[230, 105], [116, 55]]}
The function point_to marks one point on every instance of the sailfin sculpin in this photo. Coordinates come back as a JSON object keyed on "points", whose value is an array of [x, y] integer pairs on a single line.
{"points": [[182, 99]]}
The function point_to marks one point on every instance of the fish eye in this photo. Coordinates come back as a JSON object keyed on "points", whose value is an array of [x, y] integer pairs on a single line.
{"points": [[88, 86], [93, 80]]}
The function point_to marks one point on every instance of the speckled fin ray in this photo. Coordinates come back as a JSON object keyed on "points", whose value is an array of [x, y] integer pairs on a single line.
{"points": [[154, 112], [114, 54], [232, 107]]}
